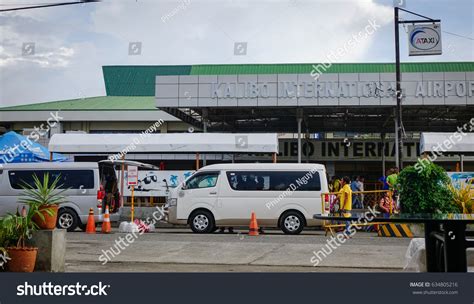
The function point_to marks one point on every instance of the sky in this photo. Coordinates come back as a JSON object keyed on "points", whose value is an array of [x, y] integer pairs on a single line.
{"points": [[57, 53]]}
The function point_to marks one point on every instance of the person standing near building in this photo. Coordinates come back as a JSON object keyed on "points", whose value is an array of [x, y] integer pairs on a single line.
{"points": [[385, 204], [361, 189], [345, 200], [392, 181], [331, 184], [355, 197], [383, 180], [337, 184]]}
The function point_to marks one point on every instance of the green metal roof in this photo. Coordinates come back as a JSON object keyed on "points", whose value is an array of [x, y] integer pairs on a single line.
{"points": [[137, 80], [334, 68], [140, 80], [103, 103]]}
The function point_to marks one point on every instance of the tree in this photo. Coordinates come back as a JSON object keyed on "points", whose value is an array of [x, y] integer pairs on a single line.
{"points": [[424, 188]]}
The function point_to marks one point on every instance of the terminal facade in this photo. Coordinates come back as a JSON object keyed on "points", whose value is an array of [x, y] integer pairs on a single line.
{"points": [[344, 118]]}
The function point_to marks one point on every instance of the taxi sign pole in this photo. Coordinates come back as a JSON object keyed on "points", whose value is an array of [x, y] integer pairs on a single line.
{"points": [[133, 208], [132, 177], [398, 75]]}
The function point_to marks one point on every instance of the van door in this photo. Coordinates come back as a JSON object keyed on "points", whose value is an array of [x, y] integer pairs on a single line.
{"points": [[200, 190]]}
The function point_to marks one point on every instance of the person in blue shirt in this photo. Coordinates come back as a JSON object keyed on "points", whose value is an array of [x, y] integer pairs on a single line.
{"points": [[355, 187], [383, 180]]}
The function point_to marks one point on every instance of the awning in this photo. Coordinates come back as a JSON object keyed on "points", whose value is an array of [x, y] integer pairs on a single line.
{"points": [[447, 143], [129, 163], [165, 143], [16, 148]]}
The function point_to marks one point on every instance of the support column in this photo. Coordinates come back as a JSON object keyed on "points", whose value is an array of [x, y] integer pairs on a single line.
{"points": [[205, 115], [299, 119], [197, 161], [461, 160], [122, 176], [383, 154]]}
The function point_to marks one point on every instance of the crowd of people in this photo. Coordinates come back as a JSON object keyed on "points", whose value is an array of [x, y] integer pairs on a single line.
{"points": [[350, 193]]}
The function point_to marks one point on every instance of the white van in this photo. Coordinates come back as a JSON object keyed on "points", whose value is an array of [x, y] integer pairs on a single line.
{"points": [[86, 182], [281, 195]]}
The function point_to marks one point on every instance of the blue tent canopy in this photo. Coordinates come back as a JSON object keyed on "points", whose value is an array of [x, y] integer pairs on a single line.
{"points": [[15, 148]]}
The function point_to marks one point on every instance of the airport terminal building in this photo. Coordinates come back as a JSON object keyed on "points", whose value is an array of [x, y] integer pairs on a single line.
{"points": [[344, 116]]}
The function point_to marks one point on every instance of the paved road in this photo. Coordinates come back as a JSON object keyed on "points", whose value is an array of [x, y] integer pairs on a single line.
{"points": [[182, 250]]}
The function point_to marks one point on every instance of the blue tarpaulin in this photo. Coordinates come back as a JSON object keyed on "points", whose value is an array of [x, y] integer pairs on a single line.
{"points": [[15, 148]]}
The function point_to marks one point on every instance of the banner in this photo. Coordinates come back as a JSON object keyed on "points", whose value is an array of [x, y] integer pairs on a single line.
{"points": [[150, 182]]}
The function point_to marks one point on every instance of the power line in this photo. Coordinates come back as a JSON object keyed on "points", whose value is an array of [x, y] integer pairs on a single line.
{"points": [[47, 5], [454, 34]]}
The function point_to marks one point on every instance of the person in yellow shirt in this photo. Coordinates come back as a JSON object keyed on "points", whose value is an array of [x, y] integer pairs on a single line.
{"points": [[345, 200], [345, 196]]}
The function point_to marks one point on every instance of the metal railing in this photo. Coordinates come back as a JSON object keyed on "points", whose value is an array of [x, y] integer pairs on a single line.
{"points": [[361, 199]]}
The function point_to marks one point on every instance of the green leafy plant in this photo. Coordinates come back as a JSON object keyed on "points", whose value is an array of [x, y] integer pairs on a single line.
{"points": [[424, 188], [43, 193], [16, 228], [43, 196], [463, 197]]}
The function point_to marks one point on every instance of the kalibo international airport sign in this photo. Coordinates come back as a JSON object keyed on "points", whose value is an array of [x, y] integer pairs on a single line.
{"points": [[424, 39], [331, 89]]}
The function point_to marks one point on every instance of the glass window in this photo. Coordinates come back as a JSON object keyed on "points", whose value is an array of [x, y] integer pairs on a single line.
{"points": [[70, 179], [202, 180], [274, 180]]}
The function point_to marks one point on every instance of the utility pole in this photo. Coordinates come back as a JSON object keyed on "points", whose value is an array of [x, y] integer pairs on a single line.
{"points": [[398, 92], [398, 76]]}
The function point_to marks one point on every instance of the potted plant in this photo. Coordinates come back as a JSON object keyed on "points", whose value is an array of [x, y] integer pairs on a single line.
{"points": [[45, 197], [424, 189], [15, 229]]}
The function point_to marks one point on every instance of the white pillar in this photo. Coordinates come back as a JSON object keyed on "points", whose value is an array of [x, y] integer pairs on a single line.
{"points": [[299, 119]]}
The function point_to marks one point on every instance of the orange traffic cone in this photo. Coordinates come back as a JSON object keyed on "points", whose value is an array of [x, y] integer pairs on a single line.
{"points": [[253, 228], [106, 223], [90, 228]]}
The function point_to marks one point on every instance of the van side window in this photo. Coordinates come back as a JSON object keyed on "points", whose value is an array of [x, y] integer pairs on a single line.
{"points": [[274, 180], [202, 180], [70, 179]]}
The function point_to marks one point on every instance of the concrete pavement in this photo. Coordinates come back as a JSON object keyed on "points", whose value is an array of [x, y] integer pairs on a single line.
{"points": [[181, 250]]}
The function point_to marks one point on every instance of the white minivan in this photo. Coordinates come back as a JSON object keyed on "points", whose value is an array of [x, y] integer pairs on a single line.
{"points": [[281, 195], [86, 184]]}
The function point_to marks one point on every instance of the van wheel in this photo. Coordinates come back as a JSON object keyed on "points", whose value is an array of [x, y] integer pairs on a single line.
{"points": [[292, 222], [67, 219], [202, 221]]}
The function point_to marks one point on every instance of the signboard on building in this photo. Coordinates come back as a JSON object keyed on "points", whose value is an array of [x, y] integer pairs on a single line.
{"points": [[132, 175], [330, 89], [337, 150], [424, 39]]}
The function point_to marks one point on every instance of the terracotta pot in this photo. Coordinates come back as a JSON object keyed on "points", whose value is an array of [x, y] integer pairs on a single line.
{"points": [[21, 259], [49, 220]]}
